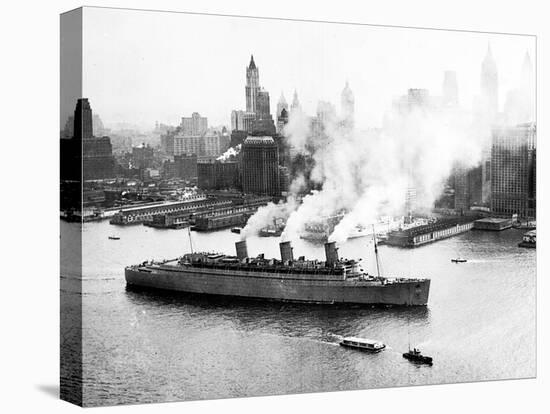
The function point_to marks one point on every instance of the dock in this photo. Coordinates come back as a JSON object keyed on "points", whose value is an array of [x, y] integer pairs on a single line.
{"points": [[493, 224], [429, 233]]}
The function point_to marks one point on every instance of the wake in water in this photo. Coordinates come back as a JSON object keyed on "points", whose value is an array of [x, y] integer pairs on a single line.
{"points": [[98, 279]]}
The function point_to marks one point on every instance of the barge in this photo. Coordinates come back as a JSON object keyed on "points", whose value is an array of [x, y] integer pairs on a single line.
{"points": [[368, 345]]}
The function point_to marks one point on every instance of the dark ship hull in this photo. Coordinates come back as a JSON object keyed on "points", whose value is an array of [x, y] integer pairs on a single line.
{"points": [[299, 282], [280, 287], [418, 358]]}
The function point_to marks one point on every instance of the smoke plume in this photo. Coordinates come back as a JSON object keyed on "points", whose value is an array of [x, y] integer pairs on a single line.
{"points": [[367, 174], [267, 215], [231, 152]]}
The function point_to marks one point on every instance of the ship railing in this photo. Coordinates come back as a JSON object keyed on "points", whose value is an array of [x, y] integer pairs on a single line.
{"points": [[260, 267]]}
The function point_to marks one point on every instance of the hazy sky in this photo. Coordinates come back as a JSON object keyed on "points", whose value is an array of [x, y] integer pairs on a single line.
{"points": [[140, 67]]}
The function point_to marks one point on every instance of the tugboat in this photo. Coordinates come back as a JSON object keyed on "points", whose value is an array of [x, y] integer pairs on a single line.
{"points": [[368, 345], [529, 240], [416, 356], [459, 260]]}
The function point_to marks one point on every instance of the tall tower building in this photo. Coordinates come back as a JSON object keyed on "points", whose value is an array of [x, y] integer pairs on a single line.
{"points": [[295, 102], [282, 120], [257, 118], [348, 107], [450, 88], [489, 82], [527, 89], [263, 110], [252, 85], [260, 166], [83, 120], [513, 171], [95, 154], [281, 105], [282, 114]]}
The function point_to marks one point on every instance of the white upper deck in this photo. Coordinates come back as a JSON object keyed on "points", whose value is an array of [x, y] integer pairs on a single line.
{"points": [[363, 341]]}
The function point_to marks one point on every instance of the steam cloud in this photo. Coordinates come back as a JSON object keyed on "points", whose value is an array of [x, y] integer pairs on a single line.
{"points": [[367, 173], [231, 152]]}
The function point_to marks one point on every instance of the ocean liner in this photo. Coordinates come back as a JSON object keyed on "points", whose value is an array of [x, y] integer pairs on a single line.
{"points": [[332, 281]]}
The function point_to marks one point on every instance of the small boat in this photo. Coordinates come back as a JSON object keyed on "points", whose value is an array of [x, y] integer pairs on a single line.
{"points": [[529, 240], [236, 230], [459, 260], [114, 238], [416, 356], [368, 345]]}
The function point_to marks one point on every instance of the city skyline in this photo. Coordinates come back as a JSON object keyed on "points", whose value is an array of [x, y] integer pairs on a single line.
{"points": [[263, 174], [171, 78]]}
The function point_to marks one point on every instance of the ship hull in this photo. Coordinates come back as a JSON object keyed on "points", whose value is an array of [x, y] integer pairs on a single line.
{"points": [[279, 287], [360, 348], [420, 359]]}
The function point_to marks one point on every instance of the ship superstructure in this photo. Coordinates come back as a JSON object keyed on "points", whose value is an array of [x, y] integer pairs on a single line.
{"points": [[334, 280]]}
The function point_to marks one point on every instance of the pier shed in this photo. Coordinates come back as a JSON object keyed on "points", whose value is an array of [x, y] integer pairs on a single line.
{"points": [[493, 224]]}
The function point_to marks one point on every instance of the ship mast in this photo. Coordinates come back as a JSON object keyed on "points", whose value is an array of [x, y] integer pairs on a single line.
{"points": [[376, 251], [409, 332], [190, 239]]}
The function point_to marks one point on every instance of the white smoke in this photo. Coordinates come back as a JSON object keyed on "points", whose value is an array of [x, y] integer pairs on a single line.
{"points": [[367, 174], [267, 215], [231, 152]]}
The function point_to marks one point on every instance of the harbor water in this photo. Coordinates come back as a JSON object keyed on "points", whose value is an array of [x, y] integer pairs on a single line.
{"points": [[153, 347]]}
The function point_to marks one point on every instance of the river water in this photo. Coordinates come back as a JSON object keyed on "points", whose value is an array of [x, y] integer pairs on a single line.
{"points": [[151, 347]]}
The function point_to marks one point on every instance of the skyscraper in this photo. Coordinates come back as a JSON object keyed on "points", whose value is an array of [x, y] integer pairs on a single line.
{"points": [[83, 120], [450, 88], [252, 86], [295, 102], [242, 121], [489, 83], [527, 89], [96, 154], [468, 186], [194, 125], [282, 120], [263, 110], [257, 118], [260, 166], [348, 107], [519, 106], [282, 114], [281, 105], [513, 171]]}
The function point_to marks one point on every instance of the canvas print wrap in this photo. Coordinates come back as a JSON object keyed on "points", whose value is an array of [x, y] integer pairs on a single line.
{"points": [[255, 206]]}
